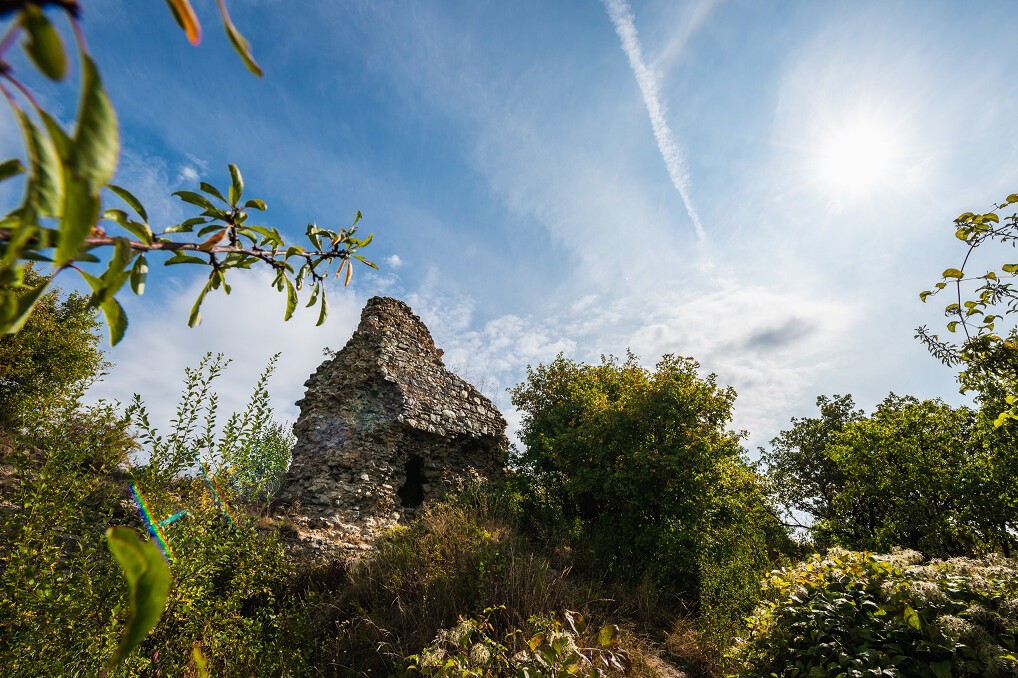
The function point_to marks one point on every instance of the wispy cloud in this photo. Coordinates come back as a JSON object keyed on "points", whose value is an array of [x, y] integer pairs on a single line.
{"points": [[622, 18]]}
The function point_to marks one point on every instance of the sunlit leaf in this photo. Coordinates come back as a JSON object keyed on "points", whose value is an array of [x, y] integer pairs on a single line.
{"points": [[96, 140], [291, 299], [186, 19], [952, 273], [43, 45], [129, 198], [195, 199], [211, 190], [80, 212], [236, 185], [138, 274], [148, 582], [45, 186], [237, 40], [22, 309], [256, 204], [324, 312]]}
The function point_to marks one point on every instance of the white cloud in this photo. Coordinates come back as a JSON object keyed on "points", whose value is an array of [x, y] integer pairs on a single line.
{"points": [[394, 261]]}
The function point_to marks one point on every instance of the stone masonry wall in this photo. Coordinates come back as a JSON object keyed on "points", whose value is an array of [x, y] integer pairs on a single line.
{"points": [[384, 428]]}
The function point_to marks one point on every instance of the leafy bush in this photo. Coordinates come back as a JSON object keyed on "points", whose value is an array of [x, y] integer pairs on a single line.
{"points": [[641, 463], [857, 613], [547, 648]]}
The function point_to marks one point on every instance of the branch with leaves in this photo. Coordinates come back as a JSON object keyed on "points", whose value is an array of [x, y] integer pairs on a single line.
{"points": [[62, 217], [979, 302]]}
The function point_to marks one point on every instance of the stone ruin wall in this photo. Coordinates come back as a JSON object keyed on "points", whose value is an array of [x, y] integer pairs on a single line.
{"points": [[385, 427]]}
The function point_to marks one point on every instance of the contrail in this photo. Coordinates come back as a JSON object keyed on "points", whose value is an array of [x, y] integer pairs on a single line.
{"points": [[622, 18]]}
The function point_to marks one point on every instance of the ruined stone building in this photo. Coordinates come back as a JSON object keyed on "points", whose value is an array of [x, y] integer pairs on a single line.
{"points": [[384, 428]]}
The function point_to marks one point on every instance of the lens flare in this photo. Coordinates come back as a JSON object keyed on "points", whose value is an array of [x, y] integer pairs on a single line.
{"points": [[150, 522]]}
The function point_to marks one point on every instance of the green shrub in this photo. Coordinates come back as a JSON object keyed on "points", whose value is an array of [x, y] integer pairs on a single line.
{"points": [[643, 470], [860, 614], [545, 648]]}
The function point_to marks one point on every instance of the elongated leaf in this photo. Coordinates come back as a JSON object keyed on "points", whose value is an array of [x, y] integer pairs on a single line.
{"points": [[256, 204], [195, 199], [45, 183], [13, 167], [148, 582], [116, 319], [211, 190], [237, 40], [181, 258], [61, 142], [81, 211], [364, 261], [195, 318], [324, 313], [43, 45], [291, 299], [186, 19], [96, 142], [25, 303], [186, 226], [236, 185], [951, 273], [129, 198], [138, 274]]}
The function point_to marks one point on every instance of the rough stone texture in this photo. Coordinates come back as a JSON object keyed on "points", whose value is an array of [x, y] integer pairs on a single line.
{"points": [[384, 428]]}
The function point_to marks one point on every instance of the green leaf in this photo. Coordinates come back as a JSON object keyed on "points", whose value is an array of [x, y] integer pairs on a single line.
{"points": [[211, 190], [45, 186], [23, 309], [43, 45], [952, 326], [195, 199], [238, 41], [81, 211], [148, 582], [180, 258], [195, 318], [314, 295], [256, 204], [912, 618], [184, 15], [324, 313], [129, 198], [356, 217], [1012, 198], [236, 185], [116, 319], [138, 274], [96, 141], [364, 261], [291, 299], [607, 634], [941, 669], [11, 168], [1010, 268], [952, 273], [185, 226]]}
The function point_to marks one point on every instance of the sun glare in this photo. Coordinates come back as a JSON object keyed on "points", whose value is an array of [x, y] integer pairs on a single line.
{"points": [[858, 158]]}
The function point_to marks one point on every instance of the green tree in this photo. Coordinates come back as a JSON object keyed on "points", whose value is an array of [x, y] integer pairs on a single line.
{"points": [[642, 462], [54, 356], [913, 474]]}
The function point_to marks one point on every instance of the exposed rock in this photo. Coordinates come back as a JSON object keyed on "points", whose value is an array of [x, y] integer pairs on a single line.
{"points": [[385, 428]]}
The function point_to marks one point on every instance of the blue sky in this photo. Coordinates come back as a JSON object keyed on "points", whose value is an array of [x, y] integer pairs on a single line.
{"points": [[535, 173]]}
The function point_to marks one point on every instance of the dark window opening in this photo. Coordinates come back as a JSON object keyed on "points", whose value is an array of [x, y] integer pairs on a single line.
{"points": [[411, 494]]}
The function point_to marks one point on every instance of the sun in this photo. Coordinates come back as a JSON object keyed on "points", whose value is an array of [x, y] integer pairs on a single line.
{"points": [[858, 157]]}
